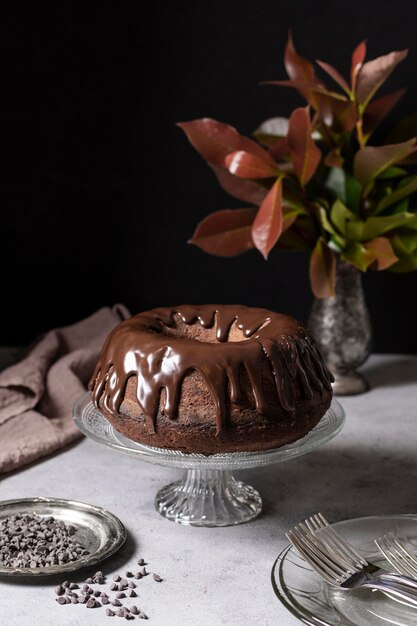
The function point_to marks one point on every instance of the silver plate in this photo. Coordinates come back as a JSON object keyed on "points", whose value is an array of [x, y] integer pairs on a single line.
{"points": [[98, 530]]}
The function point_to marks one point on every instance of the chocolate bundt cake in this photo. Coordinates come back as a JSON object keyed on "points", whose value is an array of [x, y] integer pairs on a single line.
{"points": [[212, 378]]}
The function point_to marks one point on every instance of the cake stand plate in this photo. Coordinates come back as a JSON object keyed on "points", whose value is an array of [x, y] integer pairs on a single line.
{"points": [[208, 494]]}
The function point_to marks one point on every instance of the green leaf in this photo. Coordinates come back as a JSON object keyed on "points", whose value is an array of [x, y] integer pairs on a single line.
{"points": [[374, 73], [305, 155], [404, 241], [405, 264], [267, 226], [353, 193], [371, 161], [398, 194], [225, 233], [376, 226], [325, 222], [323, 270], [358, 256], [392, 172], [340, 215]]}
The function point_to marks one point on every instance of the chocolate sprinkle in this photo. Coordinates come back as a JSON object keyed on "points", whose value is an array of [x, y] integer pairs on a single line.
{"points": [[35, 541]]}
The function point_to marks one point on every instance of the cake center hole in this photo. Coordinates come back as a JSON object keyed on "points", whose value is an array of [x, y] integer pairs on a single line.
{"points": [[199, 333]]}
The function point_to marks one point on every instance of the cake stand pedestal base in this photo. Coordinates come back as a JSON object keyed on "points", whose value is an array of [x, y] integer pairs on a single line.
{"points": [[208, 498]]}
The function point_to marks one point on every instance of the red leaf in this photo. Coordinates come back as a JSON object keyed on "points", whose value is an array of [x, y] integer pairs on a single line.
{"points": [[246, 190], [383, 251], [246, 165], [297, 67], [214, 140], [377, 110], [225, 233], [370, 161], [339, 114], [279, 150], [374, 73], [267, 226], [337, 77], [305, 155], [358, 58], [322, 270], [300, 70]]}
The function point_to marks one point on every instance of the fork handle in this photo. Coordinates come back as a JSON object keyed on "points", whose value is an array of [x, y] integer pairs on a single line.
{"points": [[395, 589], [398, 578]]}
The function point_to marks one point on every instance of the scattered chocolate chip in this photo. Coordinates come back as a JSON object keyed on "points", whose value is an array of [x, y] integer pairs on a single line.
{"points": [[120, 594], [85, 588], [105, 600], [91, 604], [131, 585], [66, 584], [157, 578], [116, 602], [59, 590], [138, 576], [133, 594], [141, 562], [134, 610], [110, 613], [116, 578], [83, 599], [89, 581], [142, 616], [97, 593], [143, 571], [61, 600], [114, 587], [74, 586], [129, 575], [120, 613], [74, 600], [67, 600]]}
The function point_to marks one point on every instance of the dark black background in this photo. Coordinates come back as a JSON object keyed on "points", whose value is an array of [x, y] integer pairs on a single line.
{"points": [[101, 190]]}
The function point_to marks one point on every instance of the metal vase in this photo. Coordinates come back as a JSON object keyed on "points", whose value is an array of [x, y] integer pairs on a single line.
{"points": [[342, 328]]}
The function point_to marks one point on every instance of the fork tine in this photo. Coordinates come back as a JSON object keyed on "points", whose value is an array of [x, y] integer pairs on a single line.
{"points": [[397, 555], [334, 555], [348, 550], [327, 559], [311, 558]]}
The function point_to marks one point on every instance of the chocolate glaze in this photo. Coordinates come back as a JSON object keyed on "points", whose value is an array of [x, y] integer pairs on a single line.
{"points": [[140, 346]]}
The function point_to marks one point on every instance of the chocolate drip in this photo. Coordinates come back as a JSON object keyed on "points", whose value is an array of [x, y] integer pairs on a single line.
{"points": [[142, 347]]}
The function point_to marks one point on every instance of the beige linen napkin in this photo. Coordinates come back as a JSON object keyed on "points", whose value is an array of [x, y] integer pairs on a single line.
{"points": [[38, 393]]}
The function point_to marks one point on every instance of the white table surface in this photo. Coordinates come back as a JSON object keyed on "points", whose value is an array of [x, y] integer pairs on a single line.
{"points": [[219, 576]]}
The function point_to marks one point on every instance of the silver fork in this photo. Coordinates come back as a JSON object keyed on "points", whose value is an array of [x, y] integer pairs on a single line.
{"points": [[397, 555], [341, 565]]}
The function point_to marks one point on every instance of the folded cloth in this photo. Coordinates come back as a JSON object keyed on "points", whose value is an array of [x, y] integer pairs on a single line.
{"points": [[38, 393]]}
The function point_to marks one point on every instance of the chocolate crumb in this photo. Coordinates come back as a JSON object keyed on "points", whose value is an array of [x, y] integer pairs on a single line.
{"points": [[157, 578], [129, 575], [141, 562], [133, 594]]}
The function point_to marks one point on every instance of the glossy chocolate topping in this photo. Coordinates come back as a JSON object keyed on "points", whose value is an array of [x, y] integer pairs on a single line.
{"points": [[146, 346]]}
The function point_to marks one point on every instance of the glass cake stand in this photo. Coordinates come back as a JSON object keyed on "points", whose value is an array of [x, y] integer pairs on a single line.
{"points": [[208, 494]]}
